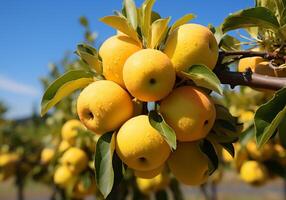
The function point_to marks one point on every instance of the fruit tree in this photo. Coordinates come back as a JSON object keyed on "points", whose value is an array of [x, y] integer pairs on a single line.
{"points": [[155, 100]]}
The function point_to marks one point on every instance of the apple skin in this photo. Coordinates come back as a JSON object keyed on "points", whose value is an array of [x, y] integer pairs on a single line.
{"points": [[191, 44]]}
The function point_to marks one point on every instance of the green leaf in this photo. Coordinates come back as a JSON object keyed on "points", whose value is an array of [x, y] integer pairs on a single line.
{"points": [[159, 31], [83, 21], [183, 20], [217, 33], [104, 174], [89, 55], [86, 180], [226, 125], [157, 121], [131, 12], [268, 117], [222, 113], [229, 148], [222, 135], [282, 132], [63, 86], [146, 14], [208, 149], [121, 23], [229, 43], [202, 76], [252, 17]]}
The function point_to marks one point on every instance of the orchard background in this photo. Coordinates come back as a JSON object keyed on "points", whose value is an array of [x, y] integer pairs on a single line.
{"points": [[47, 153]]}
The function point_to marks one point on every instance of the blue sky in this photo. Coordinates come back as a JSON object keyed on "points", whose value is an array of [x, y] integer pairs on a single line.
{"points": [[34, 33]]}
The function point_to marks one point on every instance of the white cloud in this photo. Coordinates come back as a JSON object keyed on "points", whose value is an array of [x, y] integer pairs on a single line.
{"points": [[13, 86]]}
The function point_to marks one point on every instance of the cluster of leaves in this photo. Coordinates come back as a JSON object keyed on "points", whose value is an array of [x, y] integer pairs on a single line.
{"points": [[266, 22]]}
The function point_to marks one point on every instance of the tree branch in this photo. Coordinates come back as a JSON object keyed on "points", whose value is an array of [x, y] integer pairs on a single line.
{"points": [[244, 54], [248, 78]]}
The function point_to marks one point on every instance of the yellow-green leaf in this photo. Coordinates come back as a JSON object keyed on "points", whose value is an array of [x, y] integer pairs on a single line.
{"points": [[159, 30], [120, 23], [202, 76], [63, 86], [146, 14], [157, 121], [89, 55], [131, 13], [183, 20]]}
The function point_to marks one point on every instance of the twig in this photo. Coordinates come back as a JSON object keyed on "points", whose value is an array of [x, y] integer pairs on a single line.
{"points": [[248, 78]]}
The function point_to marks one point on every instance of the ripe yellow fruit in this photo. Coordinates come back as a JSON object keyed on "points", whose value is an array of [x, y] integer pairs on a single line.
{"points": [[265, 153], [149, 75], [188, 164], [256, 64], [47, 155], [114, 52], [141, 146], [149, 174], [104, 106], [192, 44], [190, 112], [147, 186], [70, 130], [63, 146], [63, 176], [253, 172], [75, 159]]}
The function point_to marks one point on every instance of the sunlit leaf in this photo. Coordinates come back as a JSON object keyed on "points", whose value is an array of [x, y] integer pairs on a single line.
{"points": [[183, 20], [146, 14], [159, 30], [156, 120], [63, 86], [229, 43], [131, 12], [204, 77], [252, 17], [90, 56], [120, 23]]}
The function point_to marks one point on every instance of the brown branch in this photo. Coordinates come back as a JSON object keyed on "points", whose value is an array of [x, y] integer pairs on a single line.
{"points": [[243, 54], [248, 78]]}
